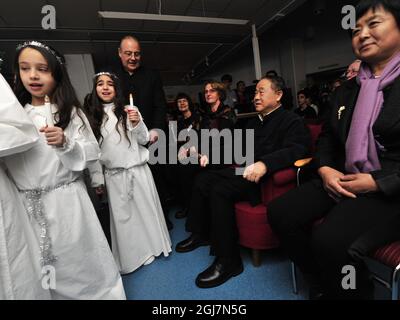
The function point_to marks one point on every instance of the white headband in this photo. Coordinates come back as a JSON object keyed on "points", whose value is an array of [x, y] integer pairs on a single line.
{"points": [[40, 45], [104, 73]]}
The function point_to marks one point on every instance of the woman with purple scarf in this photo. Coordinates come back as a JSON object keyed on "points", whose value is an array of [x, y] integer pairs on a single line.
{"points": [[357, 191]]}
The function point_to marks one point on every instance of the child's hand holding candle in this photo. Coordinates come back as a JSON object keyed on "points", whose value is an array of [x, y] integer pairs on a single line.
{"points": [[133, 113], [49, 114]]}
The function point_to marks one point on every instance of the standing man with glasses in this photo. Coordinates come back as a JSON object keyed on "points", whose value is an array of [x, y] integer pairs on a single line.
{"points": [[144, 83], [148, 95]]}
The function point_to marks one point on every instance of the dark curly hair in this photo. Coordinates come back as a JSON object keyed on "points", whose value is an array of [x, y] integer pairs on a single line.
{"points": [[94, 109], [182, 95]]}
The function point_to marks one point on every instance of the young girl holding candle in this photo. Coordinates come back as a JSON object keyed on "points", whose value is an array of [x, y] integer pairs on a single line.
{"points": [[48, 177], [138, 229], [20, 274]]}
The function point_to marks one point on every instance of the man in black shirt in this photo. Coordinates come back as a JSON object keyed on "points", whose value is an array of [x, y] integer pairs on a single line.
{"points": [[143, 83], [146, 87], [281, 138], [304, 110]]}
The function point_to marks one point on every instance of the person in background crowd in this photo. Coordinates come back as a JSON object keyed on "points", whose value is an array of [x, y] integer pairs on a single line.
{"points": [[304, 110], [353, 69], [230, 99]]}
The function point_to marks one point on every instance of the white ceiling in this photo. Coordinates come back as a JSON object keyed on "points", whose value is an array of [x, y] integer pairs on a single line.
{"points": [[174, 48]]}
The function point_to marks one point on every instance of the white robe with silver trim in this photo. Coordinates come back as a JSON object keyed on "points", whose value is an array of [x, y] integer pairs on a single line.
{"points": [[20, 272], [138, 228], [85, 268]]}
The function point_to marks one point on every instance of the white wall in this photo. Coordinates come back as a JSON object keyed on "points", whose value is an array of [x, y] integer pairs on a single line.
{"points": [[192, 91], [243, 68], [327, 51], [81, 71]]}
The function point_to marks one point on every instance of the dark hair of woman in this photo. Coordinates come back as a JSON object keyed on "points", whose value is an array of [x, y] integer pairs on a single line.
{"points": [[64, 95], [392, 6], [183, 95], [95, 110]]}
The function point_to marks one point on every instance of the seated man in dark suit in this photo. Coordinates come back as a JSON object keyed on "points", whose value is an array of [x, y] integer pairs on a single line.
{"points": [[280, 139]]}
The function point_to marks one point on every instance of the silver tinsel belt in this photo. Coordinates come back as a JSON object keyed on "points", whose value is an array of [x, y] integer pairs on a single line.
{"points": [[36, 211], [130, 181]]}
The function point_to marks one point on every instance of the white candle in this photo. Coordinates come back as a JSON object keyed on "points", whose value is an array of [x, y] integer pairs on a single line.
{"points": [[49, 114], [130, 102], [130, 107]]}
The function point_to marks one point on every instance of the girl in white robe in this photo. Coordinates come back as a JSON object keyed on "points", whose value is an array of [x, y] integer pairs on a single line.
{"points": [[48, 177], [20, 272], [138, 229]]}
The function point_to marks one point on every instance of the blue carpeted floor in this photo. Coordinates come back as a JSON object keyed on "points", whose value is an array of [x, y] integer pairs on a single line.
{"points": [[172, 278]]}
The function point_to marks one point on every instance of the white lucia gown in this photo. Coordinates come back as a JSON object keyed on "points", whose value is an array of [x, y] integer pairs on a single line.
{"points": [[61, 214], [138, 229], [20, 272]]}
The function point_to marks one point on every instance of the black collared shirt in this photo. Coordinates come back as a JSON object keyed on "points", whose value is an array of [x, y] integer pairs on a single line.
{"points": [[148, 94]]}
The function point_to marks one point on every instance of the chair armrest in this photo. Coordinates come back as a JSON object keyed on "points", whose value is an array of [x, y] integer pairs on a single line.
{"points": [[302, 162]]}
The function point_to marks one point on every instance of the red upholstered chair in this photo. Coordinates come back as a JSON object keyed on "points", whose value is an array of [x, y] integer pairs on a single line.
{"points": [[384, 266], [254, 230]]}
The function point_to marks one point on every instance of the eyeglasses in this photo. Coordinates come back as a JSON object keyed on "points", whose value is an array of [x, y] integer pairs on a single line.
{"points": [[131, 53]]}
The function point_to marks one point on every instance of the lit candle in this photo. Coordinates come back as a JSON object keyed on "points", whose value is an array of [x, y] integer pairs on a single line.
{"points": [[131, 105], [49, 114], [130, 102]]}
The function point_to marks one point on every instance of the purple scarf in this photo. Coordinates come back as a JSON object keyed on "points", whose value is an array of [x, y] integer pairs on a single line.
{"points": [[361, 147]]}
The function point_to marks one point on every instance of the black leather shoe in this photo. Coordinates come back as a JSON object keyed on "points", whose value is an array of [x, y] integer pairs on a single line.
{"points": [[219, 272], [191, 243], [181, 214]]}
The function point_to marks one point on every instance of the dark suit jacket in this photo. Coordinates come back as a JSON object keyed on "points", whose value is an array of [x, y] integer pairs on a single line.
{"points": [[148, 94], [280, 139], [331, 145]]}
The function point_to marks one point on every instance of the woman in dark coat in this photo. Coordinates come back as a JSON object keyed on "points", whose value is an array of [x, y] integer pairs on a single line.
{"points": [[216, 116], [358, 161]]}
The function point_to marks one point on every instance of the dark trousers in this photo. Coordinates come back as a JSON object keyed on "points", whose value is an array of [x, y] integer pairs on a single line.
{"points": [[349, 226], [187, 175], [180, 181], [212, 212], [160, 180]]}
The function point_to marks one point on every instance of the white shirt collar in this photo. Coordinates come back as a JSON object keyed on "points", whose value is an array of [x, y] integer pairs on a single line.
{"points": [[108, 106]]}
